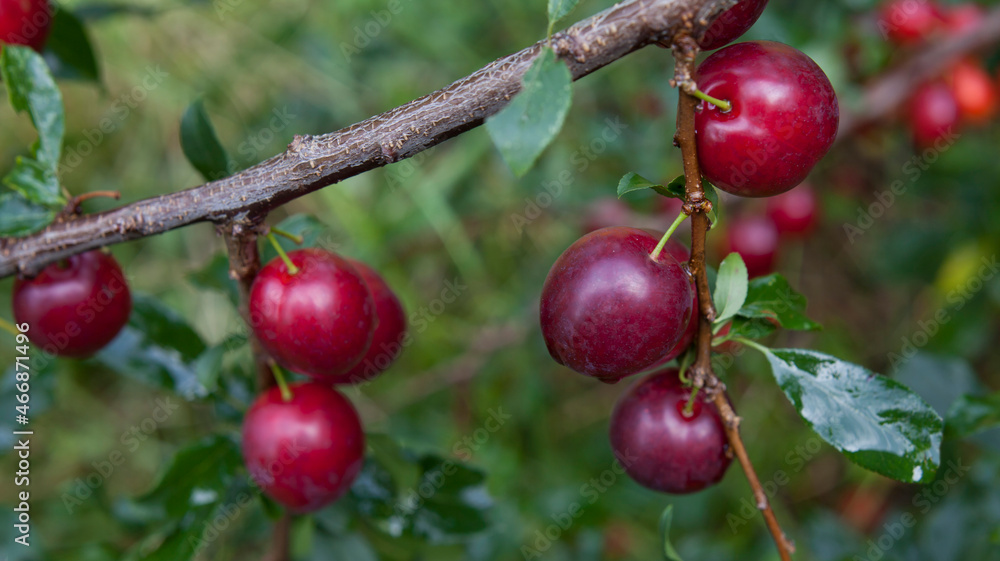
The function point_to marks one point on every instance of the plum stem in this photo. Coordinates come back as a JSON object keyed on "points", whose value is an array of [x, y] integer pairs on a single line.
{"points": [[9, 327], [279, 378], [292, 269], [722, 104], [663, 241], [299, 240]]}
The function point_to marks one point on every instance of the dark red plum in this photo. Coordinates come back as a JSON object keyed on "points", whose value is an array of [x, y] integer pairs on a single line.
{"points": [[319, 321], [608, 310], [76, 306], [661, 447], [305, 452], [782, 120]]}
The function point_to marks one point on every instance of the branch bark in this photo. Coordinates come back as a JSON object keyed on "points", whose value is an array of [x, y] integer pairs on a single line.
{"points": [[244, 262], [881, 98], [313, 162], [697, 206]]}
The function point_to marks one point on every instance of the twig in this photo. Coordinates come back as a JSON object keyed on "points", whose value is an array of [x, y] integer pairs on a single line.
{"points": [[313, 162], [279, 549], [685, 49], [244, 262]]}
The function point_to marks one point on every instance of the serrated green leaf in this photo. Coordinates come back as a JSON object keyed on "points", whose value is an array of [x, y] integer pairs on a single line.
{"points": [[157, 347], [200, 144], [31, 89], [71, 47], [876, 422], [666, 520], [558, 9], [20, 217], [772, 297], [972, 413], [523, 129], [730, 287]]}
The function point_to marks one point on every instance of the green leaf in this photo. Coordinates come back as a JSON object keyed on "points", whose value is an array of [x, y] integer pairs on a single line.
{"points": [[20, 217], [558, 9], [197, 475], [200, 144], [523, 129], [771, 297], [971, 414], [876, 422], [666, 520], [157, 347], [730, 287], [751, 328], [43, 392], [712, 194], [635, 182], [68, 41], [442, 501], [201, 483], [208, 366], [31, 88], [677, 188]]}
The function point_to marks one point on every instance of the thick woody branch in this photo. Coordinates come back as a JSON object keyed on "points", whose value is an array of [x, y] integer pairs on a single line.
{"points": [[685, 49], [885, 94], [313, 162]]}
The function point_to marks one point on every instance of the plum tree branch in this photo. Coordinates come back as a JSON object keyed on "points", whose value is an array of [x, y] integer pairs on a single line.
{"points": [[244, 262], [313, 162], [685, 49], [881, 98]]}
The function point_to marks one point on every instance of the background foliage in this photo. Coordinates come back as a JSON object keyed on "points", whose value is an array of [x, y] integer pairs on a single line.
{"points": [[467, 246]]}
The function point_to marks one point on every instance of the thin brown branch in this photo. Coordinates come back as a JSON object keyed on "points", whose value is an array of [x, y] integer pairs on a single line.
{"points": [[881, 98], [685, 49], [731, 422], [280, 542], [244, 262], [313, 162]]}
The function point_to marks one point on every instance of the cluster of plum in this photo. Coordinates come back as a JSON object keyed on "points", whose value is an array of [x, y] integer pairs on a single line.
{"points": [[316, 313], [621, 301], [965, 94], [338, 322]]}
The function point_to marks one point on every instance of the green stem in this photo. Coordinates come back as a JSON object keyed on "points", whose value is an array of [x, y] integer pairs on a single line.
{"points": [[687, 359], [753, 344], [279, 378], [689, 408], [663, 241], [720, 103], [292, 269], [9, 327], [297, 239]]}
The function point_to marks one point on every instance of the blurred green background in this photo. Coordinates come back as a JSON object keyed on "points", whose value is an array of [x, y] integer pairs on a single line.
{"points": [[456, 215]]}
